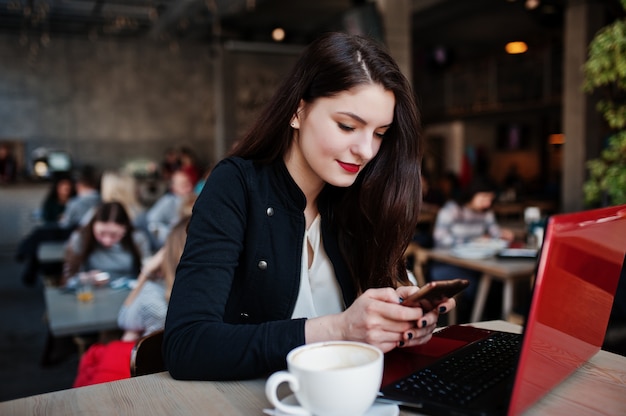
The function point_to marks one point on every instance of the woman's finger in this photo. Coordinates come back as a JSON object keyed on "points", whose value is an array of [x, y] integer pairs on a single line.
{"points": [[417, 336], [447, 306]]}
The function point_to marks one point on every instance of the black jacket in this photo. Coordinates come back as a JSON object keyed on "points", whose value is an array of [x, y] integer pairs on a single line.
{"points": [[236, 286]]}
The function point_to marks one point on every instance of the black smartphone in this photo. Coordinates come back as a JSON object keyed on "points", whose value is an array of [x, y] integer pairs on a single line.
{"points": [[433, 293]]}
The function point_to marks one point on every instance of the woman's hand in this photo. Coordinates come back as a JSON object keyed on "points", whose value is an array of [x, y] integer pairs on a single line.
{"points": [[377, 318], [130, 336], [96, 277], [507, 234], [424, 327]]}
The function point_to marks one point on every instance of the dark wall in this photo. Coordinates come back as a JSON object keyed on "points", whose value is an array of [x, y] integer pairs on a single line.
{"points": [[107, 102]]}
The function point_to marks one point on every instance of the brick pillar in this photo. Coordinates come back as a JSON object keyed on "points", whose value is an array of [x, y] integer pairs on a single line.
{"points": [[581, 122], [396, 16]]}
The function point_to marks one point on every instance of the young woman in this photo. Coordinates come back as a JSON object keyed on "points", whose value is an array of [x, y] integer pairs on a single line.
{"points": [[120, 187], [298, 236], [107, 243]]}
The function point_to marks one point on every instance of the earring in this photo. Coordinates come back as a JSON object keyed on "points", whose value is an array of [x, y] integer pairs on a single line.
{"points": [[293, 124]]}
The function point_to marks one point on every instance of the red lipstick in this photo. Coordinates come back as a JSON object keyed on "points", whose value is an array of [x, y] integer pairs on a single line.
{"points": [[350, 167]]}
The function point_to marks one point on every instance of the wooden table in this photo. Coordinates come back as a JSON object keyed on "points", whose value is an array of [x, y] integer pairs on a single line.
{"points": [[509, 271], [598, 387], [68, 316]]}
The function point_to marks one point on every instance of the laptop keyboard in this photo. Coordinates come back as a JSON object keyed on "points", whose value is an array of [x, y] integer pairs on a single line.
{"points": [[463, 376]]}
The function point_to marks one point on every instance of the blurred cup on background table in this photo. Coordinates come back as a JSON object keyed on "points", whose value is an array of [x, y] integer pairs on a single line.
{"points": [[534, 227], [84, 289]]}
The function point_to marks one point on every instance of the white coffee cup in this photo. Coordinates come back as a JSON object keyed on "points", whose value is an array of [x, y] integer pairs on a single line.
{"points": [[329, 378]]}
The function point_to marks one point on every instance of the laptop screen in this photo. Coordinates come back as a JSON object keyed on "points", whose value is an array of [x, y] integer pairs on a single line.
{"points": [[577, 276]]}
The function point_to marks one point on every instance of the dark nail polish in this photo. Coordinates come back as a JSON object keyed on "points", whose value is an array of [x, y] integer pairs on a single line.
{"points": [[401, 344], [410, 335], [424, 323], [442, 309], [400, 300]]}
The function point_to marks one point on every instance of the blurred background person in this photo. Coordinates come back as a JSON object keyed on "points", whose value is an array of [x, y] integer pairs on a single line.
{"points": [[108, 243], [462, 221], [142, 313], [8, 165], [120, 187], [53, 206], [189, 165], [170, 163], [167, 210], [87, 197]]}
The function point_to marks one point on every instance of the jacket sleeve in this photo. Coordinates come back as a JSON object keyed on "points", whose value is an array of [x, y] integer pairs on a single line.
{"points": [[203, 342]]}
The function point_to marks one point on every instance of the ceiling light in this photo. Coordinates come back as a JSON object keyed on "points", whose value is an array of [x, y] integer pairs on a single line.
{"points": [[516, 47], [41, 169], [278, 34]]}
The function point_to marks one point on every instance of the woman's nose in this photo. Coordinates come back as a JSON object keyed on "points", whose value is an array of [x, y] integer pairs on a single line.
{"points": [[366, 146]]}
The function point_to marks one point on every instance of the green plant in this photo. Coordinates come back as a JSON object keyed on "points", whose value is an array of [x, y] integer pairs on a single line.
{"points": [[605, 71]]}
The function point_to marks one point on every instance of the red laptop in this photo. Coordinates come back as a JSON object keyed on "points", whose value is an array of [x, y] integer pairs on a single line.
{"points": [[469, 371]]}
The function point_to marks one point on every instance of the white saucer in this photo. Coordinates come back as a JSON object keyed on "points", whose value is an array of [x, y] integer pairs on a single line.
{"points": [[377, 409]]}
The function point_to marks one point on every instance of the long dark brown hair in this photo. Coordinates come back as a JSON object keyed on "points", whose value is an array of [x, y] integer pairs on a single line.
{"points": [[374, 218], [106, 212]]}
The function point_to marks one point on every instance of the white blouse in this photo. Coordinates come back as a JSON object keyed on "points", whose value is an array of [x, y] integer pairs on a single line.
{"points": [[319, 292]]}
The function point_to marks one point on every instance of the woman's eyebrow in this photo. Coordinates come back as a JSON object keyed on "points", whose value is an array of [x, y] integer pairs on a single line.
{"points": [[352, 115], [359, 119]]}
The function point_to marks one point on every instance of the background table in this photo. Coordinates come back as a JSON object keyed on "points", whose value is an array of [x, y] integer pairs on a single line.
{"points": [[509, 271], [599, 387], [68, 316]]}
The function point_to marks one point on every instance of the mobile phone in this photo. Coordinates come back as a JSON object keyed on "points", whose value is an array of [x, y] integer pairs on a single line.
{"points": [[433, 293]]}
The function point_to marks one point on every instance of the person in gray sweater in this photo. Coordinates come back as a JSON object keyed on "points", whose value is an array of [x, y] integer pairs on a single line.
{"points": [[108, 243], [168, 210], [87, 197]]}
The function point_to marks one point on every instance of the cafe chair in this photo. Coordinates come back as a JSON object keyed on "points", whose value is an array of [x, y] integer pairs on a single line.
{"points": [[146, 356], [50, 257]]}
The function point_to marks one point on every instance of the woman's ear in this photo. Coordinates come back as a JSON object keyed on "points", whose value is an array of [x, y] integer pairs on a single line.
{"points": [[295, 119]]}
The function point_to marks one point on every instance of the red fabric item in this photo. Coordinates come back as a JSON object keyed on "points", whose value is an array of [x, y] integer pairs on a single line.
{"points": [[193, 172], [465, 177], [102, 363]]}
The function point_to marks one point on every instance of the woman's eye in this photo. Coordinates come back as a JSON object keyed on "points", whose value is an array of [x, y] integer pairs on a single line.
{"points": [[345, 127], [380, 135]]}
